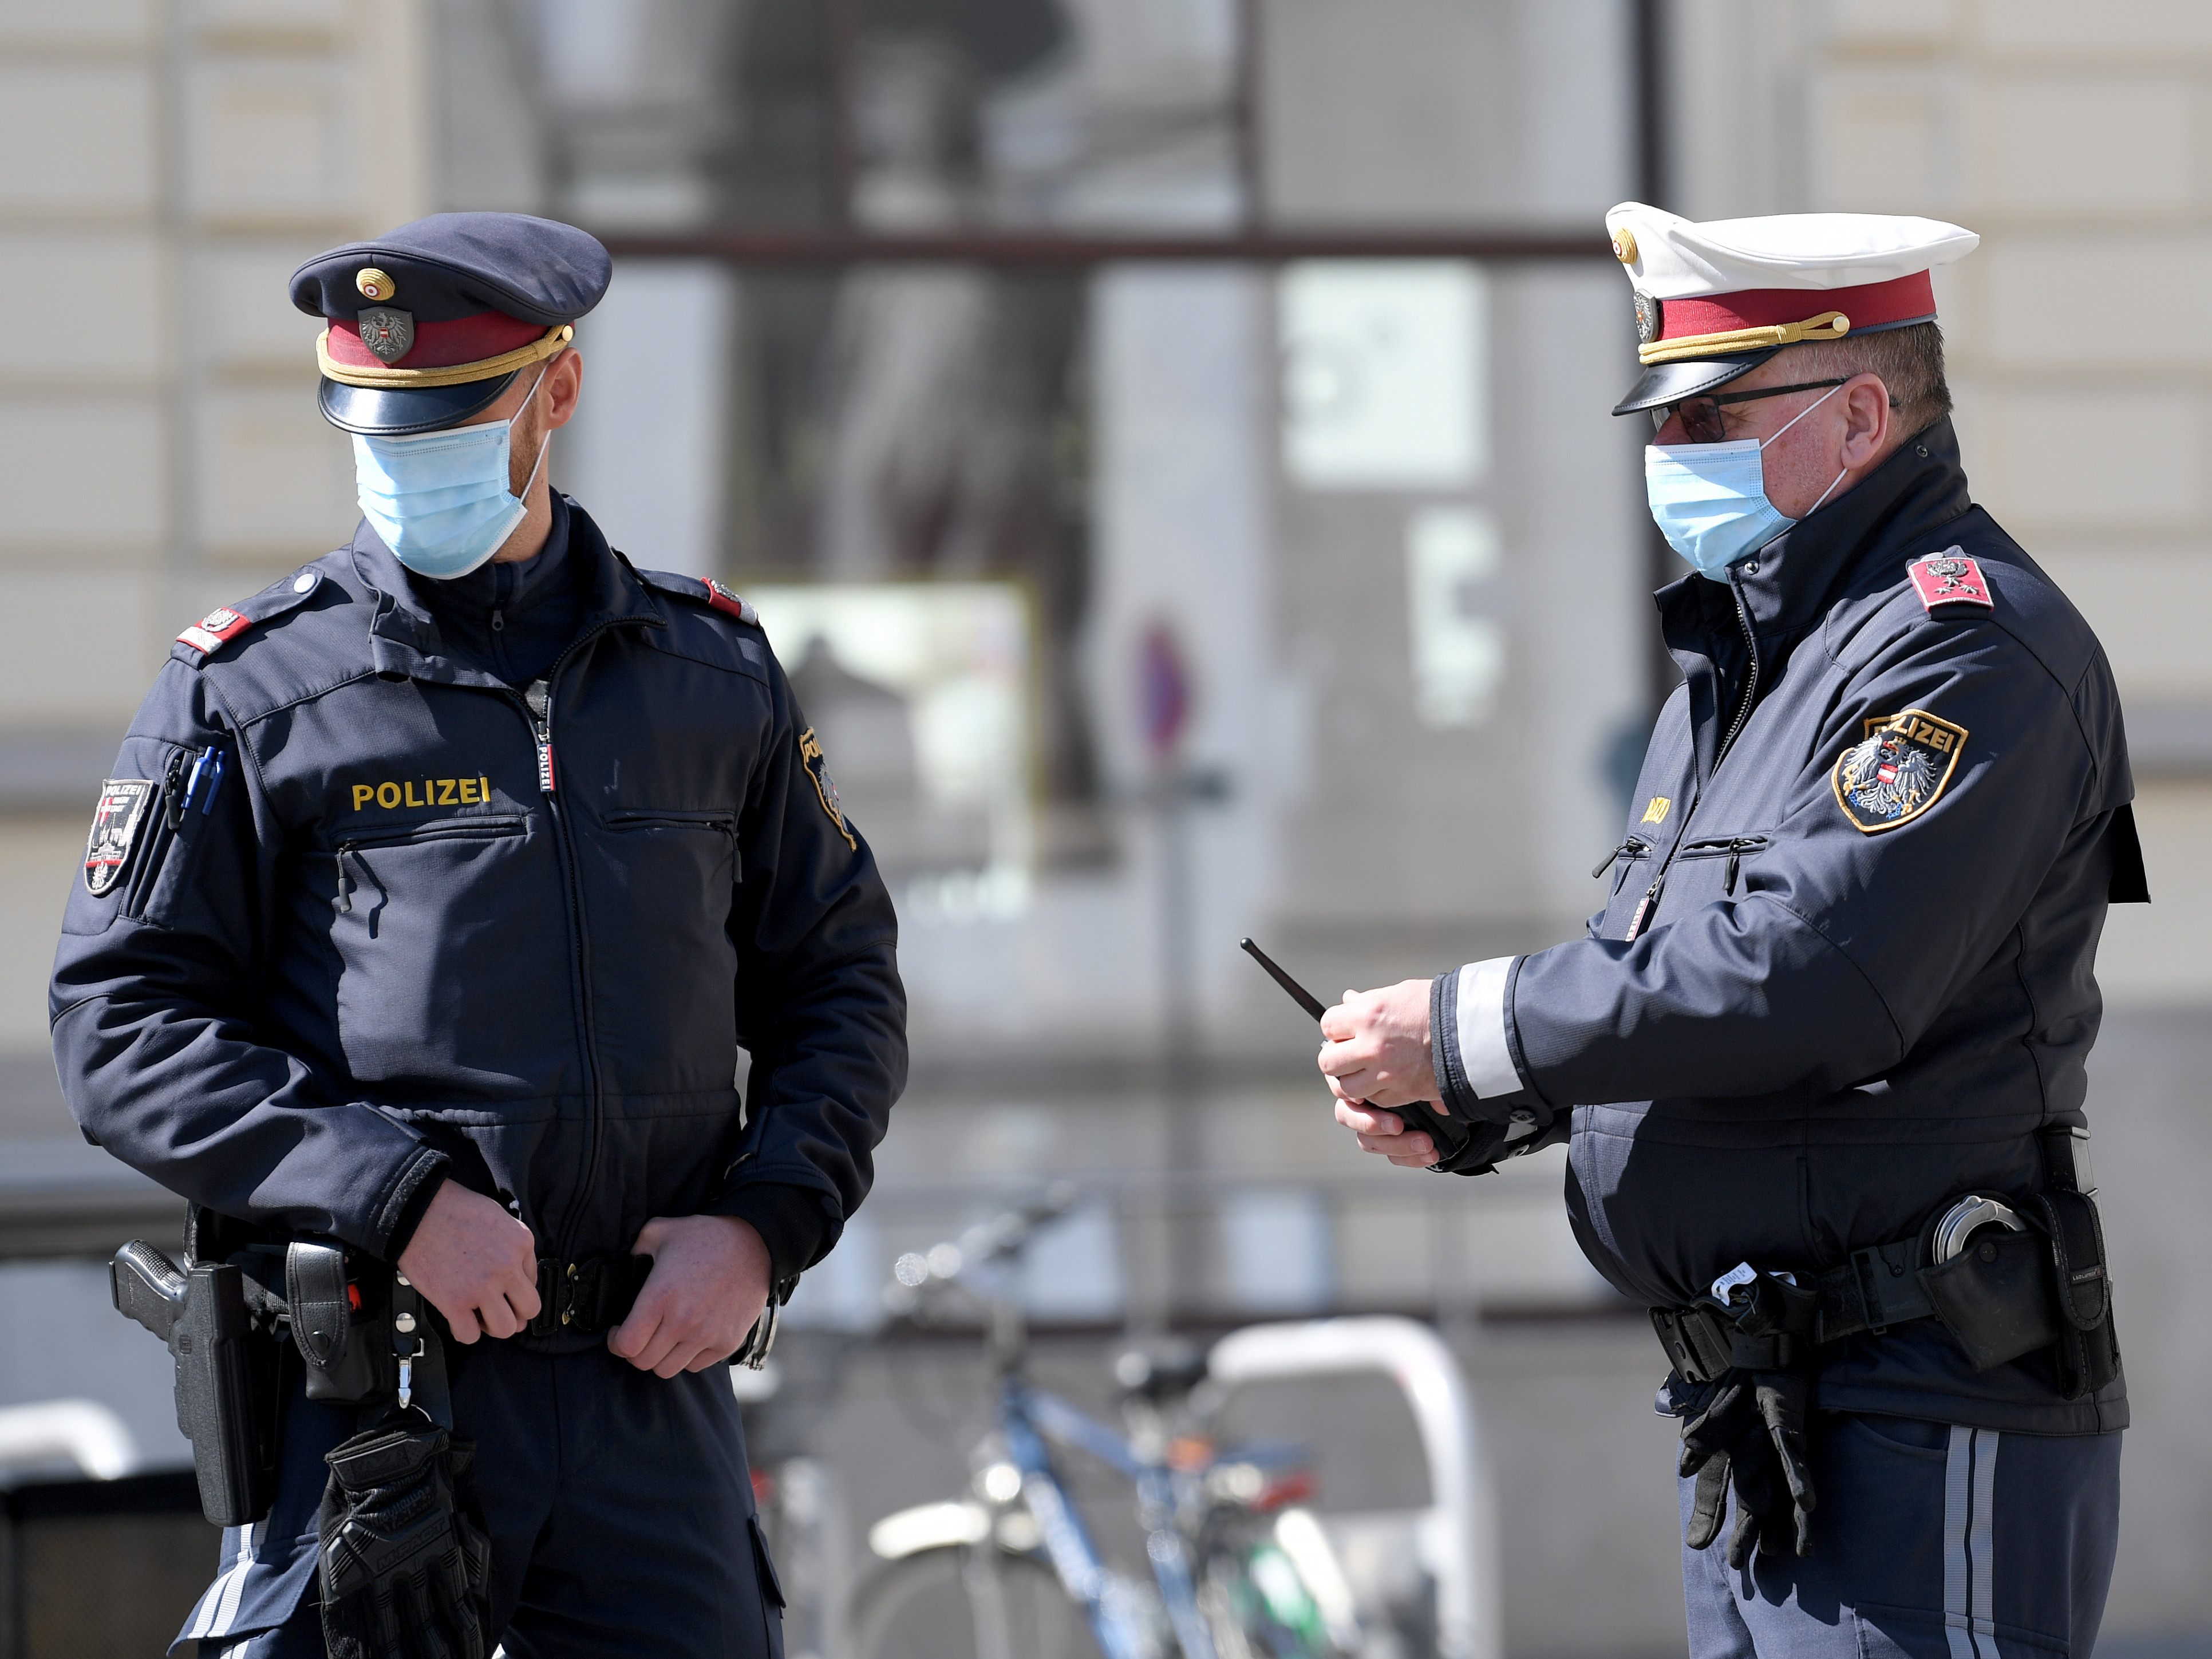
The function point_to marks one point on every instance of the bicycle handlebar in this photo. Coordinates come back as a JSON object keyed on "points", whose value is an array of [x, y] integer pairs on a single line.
{"points": [[1002, 1235]]}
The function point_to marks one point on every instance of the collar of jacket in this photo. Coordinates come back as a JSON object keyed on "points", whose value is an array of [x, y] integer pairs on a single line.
{"points": [[1796, 578], [404, 640]]}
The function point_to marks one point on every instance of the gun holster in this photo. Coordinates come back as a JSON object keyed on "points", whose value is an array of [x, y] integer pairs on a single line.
{"points": [[224, 1330]]}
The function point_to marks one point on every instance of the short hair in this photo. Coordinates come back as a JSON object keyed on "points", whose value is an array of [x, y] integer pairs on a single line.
{"points": [[1909, 360]]}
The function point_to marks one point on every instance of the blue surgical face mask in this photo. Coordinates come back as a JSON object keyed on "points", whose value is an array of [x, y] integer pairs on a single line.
{"points": [[439, 499], [1709, 500]]}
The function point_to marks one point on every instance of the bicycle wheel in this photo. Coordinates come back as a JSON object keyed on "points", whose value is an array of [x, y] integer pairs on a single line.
{"points": [[957, 1602]]}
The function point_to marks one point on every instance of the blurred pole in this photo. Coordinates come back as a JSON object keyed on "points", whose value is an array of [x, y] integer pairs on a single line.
{"points": [[1164, 689], [1163, 686], [842, 35], [1654, 183], [1251, 116]]}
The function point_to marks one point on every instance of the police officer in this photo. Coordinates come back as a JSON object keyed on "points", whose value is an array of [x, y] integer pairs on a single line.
{"points": [[1819, 1059], [438, 888]]}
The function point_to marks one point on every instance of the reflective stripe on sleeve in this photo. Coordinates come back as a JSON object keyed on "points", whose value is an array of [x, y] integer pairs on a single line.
{"points": [[1482, 1051]]}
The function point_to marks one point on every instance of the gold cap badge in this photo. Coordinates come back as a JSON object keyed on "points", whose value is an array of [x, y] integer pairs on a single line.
{"points": [[1624, 246], [375, 285]]}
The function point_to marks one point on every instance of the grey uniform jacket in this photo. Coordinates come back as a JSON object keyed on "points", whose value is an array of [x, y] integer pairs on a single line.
{"points": [[1846, 970]]}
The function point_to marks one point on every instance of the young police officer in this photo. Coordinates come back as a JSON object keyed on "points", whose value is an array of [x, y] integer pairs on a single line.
{"points": [[438, 888], [1820, 1057]]}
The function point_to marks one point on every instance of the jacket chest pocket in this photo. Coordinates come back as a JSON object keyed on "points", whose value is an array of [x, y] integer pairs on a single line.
{"points": [[354, 863], [660, 888], [1728, 852], [1701, 871], [454, 946]]}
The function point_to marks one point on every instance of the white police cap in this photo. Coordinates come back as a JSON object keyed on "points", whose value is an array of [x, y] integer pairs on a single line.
{"points": [[1714, 301]]}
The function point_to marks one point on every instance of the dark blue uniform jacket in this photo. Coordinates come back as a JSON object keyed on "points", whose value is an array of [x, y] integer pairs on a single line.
{"points": [[404, 925], [1821, 1032]]}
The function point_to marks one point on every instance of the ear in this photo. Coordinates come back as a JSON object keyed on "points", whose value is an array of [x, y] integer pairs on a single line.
{"points": [[1869, 421], [564, 384]]}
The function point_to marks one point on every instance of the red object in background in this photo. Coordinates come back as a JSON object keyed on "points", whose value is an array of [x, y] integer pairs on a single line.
{"points": [[1163, 684]]}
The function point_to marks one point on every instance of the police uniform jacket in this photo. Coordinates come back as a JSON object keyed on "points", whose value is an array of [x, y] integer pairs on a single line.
{"points": [[385, 918], [1844, 972]]}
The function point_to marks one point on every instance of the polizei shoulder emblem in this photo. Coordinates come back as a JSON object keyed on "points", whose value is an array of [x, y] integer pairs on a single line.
{"points": [[810, 756], [116, 823], [1898, 770]]}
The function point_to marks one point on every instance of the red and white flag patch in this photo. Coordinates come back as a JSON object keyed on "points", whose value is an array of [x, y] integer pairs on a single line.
{"points": [[209, 633], [1949, 577]]}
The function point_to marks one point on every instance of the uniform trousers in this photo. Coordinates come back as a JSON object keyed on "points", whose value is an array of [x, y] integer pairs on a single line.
{"points": [[618, 1503], [1930, 1541]]}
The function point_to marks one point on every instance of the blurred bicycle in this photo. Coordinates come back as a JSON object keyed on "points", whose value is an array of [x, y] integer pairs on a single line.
{"points": [[1238, 1569]]}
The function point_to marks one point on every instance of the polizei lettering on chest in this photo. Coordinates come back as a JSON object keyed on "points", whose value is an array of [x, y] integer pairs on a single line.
{"points": [[394, 795]]}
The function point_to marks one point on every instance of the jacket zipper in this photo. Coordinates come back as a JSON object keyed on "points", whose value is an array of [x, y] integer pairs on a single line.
{"points": [[1751, 681], [537, 704], [1649, 902], [1633, 848], [482, 829], [539, 699]]}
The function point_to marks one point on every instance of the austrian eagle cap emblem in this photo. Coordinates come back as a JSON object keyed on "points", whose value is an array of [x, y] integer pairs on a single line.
{"points": [[387, 331], [1898, 770], [1649, 317]]}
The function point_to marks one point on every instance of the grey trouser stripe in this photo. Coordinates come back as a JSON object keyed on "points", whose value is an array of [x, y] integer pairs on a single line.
{"points": [[1970, 1481]]}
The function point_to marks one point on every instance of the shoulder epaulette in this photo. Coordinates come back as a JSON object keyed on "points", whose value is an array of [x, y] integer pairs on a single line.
{"points": [[1949, 577], [707, 593], [226, 622]]}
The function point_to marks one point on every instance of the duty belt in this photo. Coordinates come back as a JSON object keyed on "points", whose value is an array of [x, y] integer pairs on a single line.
{"points": [[1876, 1288], [588, 1296]]}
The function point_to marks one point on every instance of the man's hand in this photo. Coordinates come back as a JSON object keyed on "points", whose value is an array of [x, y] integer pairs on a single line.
{"points": [[1385, 1132], [475, 1263], [709, 1283], [1377, 1051]]}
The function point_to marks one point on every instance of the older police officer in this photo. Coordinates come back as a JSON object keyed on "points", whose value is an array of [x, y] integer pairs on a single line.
{"points": [[438, 886], [1820, 1058]]}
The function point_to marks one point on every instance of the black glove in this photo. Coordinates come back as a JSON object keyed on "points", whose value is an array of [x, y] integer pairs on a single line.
{"points": [[1748, 1428], [406, 1572]]}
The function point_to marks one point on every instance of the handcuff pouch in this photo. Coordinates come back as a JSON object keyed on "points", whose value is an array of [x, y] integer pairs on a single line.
{"points": [[1992, 1298]]}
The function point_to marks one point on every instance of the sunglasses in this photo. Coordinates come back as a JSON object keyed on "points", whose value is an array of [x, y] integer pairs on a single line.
{"points": [[1701, 417]]}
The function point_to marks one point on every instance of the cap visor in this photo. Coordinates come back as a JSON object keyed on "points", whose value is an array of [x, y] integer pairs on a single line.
{"points": [[1669, 382], [383, 413]]}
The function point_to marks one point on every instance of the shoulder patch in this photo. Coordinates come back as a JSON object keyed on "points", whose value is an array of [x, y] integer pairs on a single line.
{"points": [[810, 756], [226, 622], [1898, 770], [1949, 577], [708, 591], [117, 821]]}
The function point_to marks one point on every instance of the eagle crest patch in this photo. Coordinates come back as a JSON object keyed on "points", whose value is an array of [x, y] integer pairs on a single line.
{"points": [[1897, 771], [810, 756], [116, 824]]}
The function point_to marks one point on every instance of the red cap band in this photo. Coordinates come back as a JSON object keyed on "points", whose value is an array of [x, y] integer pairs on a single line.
{"points": [[438, 345], [1904, 300]]}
